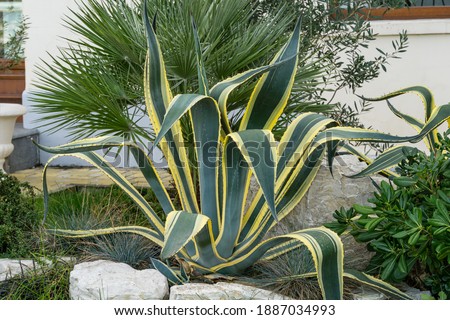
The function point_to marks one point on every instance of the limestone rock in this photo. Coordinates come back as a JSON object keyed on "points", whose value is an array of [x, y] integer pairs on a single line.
{"points": [[15, 267], [364, 293], [221, 291], [414, 293], [107, 280], [10, 268]]}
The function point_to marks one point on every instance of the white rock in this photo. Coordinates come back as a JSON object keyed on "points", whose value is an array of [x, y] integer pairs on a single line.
{"points": [[221, 291], [10, 268], [363, 293], [107, 280], [14, 267]]}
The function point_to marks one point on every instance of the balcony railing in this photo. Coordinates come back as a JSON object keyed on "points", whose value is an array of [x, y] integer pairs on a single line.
{"points": [[428, 3], [401, 10]]}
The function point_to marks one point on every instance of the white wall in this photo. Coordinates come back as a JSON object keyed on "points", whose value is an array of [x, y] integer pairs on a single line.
{"points": [[46, 35], [426, 63]]}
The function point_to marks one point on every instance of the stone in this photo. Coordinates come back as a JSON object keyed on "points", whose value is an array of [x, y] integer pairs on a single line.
{"points": [[366, 293], [10, 268], [15, 267], [107, 280], [221, 291], [414, 293], [363, 293]]}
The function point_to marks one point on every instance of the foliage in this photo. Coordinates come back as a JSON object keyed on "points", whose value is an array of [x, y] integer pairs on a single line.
{"points": [[131, 249], [101, 71], [93, 208], [17, 216], [409, 225], [213, 231], [89, 207], [286, 275]]}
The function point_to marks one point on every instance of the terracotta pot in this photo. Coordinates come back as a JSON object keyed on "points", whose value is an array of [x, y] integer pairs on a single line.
{"points": [[8, 115], [12, 82]]}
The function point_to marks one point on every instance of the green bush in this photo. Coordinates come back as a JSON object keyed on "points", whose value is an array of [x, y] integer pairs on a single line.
{"points": [[409, 226], [17, 217]]}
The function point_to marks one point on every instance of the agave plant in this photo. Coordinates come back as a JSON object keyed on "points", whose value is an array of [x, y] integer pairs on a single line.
{"points": [[433, 116], [213, 231]]}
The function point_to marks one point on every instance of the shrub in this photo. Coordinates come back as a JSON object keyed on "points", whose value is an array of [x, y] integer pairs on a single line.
{"points": [[131, 249], [408, 227], [18, 217]]}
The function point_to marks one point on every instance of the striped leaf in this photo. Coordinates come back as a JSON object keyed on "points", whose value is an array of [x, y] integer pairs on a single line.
{"points": [[326, 250], [388, 159], [145, 164], [181, 227], [429, 106], [423, 92], [271, 93], [413, 122], [221, 91], [258, 148], [181, 104], [168, 272], [142, 231], [205, 119], [106, 168], [281, 249], [363, 157], [157, 99], [235, 184]]}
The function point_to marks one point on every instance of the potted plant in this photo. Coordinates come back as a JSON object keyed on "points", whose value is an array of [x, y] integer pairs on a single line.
{"points": [[12, 65]]}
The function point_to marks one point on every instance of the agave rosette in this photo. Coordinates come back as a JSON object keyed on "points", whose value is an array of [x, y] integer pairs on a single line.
{"points": [[214, 232]]}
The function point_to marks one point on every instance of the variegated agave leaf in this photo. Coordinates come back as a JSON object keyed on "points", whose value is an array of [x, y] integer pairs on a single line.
{"points": [[214, 231]]}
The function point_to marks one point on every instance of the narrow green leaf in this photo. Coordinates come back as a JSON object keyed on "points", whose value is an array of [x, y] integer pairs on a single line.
{"points": [[362, 209], [405, 181]]}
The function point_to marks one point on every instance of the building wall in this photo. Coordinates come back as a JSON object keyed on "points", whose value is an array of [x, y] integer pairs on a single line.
{"points": [[46, 36], [426, 62]]}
